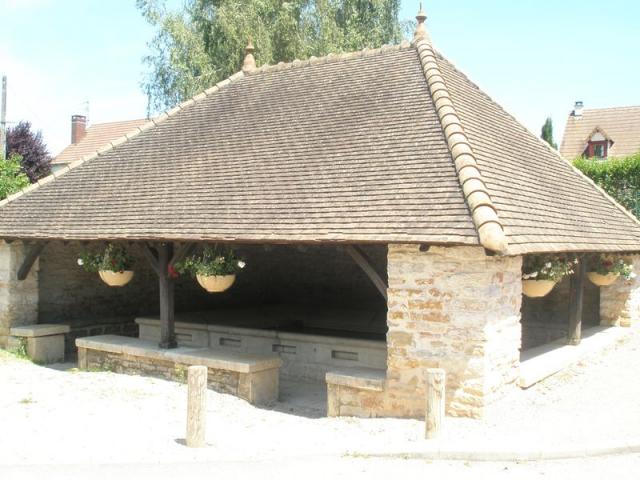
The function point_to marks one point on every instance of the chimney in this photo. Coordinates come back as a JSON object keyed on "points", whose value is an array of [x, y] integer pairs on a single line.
{"points": [[577, 109], [78, 128]]}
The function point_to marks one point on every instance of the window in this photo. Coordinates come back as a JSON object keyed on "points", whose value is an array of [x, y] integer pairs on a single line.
{"points": [[597, 149]]}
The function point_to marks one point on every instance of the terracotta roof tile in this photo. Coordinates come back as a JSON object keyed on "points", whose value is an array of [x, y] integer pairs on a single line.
{"points": [[622, 125]]}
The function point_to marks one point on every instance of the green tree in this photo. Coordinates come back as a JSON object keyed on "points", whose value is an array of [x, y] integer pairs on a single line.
{"points": [[12, 178], [547, 133], [204, 42]]}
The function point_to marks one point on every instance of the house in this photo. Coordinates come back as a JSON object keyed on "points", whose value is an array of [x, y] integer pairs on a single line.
{"points": [[86, 141], [601, 132], [384, 205]]}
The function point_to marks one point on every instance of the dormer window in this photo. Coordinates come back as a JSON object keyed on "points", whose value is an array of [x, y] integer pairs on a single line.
{"points": [[597, 146], [597, 149]]}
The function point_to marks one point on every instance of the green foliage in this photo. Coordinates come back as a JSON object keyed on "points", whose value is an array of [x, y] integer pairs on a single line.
{"points": [[204, 42], [212, 261], [12, 179], [20, 351], [547, 133], [605, 264], [619, 177], [547, 267], [114, 258]]}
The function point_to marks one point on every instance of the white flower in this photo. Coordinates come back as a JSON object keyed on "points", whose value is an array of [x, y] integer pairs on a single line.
{"points": [[575, 261], [548, 265], [633, 275], [80, 262], [534, 274], [241, 264]]}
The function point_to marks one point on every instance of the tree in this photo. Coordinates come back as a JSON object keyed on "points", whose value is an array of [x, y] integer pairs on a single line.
{"points": [[36, 161], [11, 177], [204, 43], [547, 133]]}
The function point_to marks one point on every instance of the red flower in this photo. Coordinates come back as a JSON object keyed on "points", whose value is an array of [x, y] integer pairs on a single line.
{"points": [[172, 272]]}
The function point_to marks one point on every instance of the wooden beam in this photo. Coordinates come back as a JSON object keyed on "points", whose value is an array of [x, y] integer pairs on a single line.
{"points": [[182, 252], [576, 294], [363, 261], [151, 256], [167, 292], [29, 259]]}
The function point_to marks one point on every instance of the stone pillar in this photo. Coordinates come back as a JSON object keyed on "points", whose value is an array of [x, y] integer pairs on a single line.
{"points": [[457, 309], [620, 301], [18, 298]]}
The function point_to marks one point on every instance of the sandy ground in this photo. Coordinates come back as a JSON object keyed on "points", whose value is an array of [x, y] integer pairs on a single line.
{"points": [[65, 417]]}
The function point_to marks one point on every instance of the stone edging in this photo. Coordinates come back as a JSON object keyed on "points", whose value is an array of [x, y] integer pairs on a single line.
{"points": [[433, 452]]}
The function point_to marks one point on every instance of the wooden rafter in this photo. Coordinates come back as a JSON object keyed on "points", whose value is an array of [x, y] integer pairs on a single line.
{"points": [[29, 259], [364, 262]]}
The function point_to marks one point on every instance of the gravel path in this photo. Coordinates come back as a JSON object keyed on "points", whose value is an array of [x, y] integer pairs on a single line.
{"points": [[69, 417]]}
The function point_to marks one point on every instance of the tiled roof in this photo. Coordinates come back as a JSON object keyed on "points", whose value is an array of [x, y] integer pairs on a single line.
{"points": [[97, 136], [543, 202], [622, 126], [388, 145]]}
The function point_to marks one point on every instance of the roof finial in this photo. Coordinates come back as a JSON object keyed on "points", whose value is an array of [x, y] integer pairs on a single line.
{"points": [[421, 28], [249, 60]]}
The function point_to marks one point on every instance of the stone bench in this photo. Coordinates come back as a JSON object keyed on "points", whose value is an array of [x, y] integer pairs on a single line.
{"points": [[44, 342], [251, 377], [352, 391]]}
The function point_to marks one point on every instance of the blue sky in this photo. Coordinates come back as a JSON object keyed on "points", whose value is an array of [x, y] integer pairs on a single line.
{"points": [[533, 57]]}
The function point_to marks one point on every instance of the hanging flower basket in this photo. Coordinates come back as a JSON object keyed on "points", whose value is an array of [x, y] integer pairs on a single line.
{"points": [[113, 265], [116, 279], [216, 283], [537, 288], [605, 269], [541, 273], [215, 268], [602, 280]]}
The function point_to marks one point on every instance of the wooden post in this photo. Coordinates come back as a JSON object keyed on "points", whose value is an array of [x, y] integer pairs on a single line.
{"points": [[435, 402], [576, 293], [167, 310], [196, 405]]}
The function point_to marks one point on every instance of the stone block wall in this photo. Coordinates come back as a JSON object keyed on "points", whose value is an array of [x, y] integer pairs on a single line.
{"points": [[258, 388], [453, 308], [18, 298], [620, 301]]}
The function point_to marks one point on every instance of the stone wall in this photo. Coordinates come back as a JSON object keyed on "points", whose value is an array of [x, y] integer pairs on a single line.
{"points": [[620, 301], [18, 298], [546, 319], [453, 308], [258, 388]]}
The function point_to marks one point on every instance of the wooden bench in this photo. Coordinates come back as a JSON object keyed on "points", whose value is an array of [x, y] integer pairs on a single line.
{"points": [[251, 377]]}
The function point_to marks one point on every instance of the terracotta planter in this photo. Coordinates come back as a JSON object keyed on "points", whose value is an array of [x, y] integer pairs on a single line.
{"points": [[216, 283], [537, 288], [602, 280], [116, 279]]}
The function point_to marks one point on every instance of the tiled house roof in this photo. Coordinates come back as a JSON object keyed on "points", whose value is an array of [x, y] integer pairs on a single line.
{"points": [[619, 125], [388, 145], [98, 135]]}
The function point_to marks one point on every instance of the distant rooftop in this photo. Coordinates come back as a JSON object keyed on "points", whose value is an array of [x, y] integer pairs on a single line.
{"points": [[621, 124], [97, 136]]}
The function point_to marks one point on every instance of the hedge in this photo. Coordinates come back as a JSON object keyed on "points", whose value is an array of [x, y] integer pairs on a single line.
{"points": [[619, 177]]}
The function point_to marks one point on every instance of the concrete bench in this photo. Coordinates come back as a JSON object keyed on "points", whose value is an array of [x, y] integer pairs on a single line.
{"points": [[251, 377], [44, 342]]}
